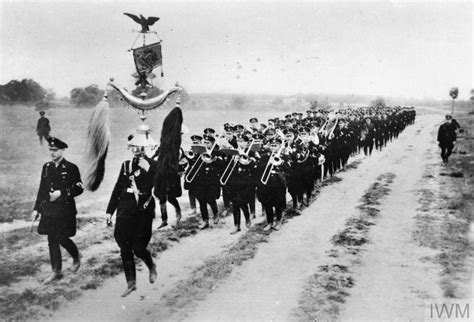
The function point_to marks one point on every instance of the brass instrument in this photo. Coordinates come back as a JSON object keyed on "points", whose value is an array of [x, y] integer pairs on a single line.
{"points": [[331, 131], [274, 160], [190, 155], [205, 157], [322, 129], [280, 133], [242, 158]]}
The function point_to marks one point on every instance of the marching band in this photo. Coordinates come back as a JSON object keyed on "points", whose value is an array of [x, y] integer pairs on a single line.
{"points": [[285, 155]]}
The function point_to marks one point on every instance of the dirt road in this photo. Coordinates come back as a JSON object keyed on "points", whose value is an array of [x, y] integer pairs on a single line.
{"points": [[387, 276]]}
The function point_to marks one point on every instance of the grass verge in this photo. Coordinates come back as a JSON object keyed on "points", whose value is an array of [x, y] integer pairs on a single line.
{"points": [[445, 216]]}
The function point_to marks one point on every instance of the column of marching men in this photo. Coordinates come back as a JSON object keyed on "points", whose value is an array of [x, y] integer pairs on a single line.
{"points": [[243, 164], [265, 161]]}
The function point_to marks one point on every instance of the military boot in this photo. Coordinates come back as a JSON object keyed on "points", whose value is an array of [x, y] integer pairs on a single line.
{"points": [[236, 230], [153, 274], [164, 216], [130, 276], [76, 263], [56, 275]]}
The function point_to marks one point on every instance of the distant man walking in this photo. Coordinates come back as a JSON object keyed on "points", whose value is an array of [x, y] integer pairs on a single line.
{"points": [[43, 128], [447, 138], [60, 183]]}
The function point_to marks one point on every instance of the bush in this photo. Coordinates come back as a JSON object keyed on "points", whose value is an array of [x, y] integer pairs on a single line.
{"points": [[379, 102], [86, 97]]}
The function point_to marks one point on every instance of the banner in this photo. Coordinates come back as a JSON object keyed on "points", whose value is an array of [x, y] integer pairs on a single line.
{"points": [[147, 58]]}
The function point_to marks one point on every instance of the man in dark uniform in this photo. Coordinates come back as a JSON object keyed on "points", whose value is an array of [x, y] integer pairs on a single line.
{"points": [[206, 182], [446, 138], [367, 136], [42, 127], [192, 157], [60, 183], [254, 126], [271, 187], [135, 205], [241, 183]]}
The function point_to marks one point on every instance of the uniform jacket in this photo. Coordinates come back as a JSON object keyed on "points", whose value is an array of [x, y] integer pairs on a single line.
{"points": [[123, 197], [60, 214], [446, 133], [43, 126]]}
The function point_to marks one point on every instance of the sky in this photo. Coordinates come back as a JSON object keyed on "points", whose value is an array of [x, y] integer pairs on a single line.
{"points": [[405, 49]]}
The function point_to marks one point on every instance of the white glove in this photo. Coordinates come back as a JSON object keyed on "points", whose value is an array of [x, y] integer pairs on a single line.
{"points": [[143, 163], [34, 215], [54, 195], [108, 220]]}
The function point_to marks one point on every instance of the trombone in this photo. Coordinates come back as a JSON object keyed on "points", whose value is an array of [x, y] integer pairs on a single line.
{"points": [[274, 160], [205, 157], [330, 133], [242, 158]]}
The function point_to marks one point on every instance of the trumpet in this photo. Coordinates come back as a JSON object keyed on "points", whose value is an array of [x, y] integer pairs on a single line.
{"points": [[190, 155], [205, 157], [242, 158], [274, 160]]}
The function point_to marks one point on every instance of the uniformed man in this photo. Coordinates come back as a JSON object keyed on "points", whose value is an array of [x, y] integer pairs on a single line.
{"points": [[196, 140], [206, 182], [271, 187], [447, 138], [60, 183], [254, 126], [367, 136], [132, 199], [241, 183], [42, 127]]}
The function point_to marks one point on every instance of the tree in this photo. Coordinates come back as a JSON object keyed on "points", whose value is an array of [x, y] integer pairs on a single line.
{"points": [[86, 97], [26, 91], [313, 105], [453, 92], [379, 102], [472, 95]]}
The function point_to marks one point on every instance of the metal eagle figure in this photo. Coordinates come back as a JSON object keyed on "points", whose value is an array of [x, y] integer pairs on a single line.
{"points": [[142, 21]]}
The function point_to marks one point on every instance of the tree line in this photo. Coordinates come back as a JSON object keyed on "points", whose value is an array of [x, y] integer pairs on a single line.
{"points": [[30, 92]]}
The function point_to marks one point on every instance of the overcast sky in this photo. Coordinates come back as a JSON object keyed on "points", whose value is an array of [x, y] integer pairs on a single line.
{"points": [[385, 48]]}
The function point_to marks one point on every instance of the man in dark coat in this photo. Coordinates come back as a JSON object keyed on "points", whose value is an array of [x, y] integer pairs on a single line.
{"points": [[60, 183], [367, 136], [207, 182], [135, 205], [271, 185], [42, 127], [241, 183], [447, 138]]}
